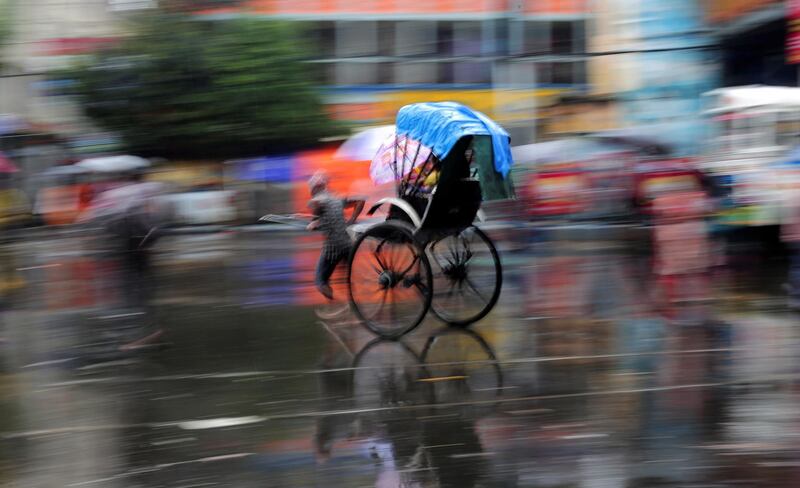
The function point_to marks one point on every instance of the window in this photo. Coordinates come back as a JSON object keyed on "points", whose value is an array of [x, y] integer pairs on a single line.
{"points": [[561, 39], [356, 38], [322, 38], [579, 37], [467, 38], [386, 73], [498, 44], [446, 73], [386, 39], [581, 77], [323, 73], [535, 38], [356, 73], [544, 73], [444, 39], [563, 73], [416, 38], [416, 73], [473, 72]]}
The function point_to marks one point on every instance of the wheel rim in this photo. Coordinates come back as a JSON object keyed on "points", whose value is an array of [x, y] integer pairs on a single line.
{"points": [[467, 276], [390, 282], [464, 368], [388, 374]]}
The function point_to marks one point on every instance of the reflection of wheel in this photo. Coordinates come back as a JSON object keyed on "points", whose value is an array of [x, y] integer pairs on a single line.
{"points": [[467, 276], [463, 368], [390, 280], [390, 394], [389, 373]]}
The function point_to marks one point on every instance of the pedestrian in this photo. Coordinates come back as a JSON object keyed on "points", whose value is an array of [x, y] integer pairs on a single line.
{"points": [[329, 218], [130, 227], [790, 234], [682, 249]]}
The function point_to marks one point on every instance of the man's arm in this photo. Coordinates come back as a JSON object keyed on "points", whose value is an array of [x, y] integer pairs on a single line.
{"points": [[357, 205]]}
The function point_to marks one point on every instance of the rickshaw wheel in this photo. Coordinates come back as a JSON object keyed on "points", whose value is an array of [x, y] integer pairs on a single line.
{"points": [[467, 276], [471, 374], [389, 280]]}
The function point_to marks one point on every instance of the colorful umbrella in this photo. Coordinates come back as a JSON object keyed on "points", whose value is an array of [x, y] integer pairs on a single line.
{"points": [[125, 199], [397, 157], [363, 145]]}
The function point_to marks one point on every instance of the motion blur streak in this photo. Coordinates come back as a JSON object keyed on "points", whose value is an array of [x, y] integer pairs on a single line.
{"points": [[618, 309]]}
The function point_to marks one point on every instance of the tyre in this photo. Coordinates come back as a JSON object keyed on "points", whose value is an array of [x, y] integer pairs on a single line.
{"points": [[389, 280]]}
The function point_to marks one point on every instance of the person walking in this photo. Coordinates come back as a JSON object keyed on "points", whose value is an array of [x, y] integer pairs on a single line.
{"points": [[329, 218]]}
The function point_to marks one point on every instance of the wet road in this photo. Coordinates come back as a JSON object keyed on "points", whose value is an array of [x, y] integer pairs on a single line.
{"points": [[582, 376]]}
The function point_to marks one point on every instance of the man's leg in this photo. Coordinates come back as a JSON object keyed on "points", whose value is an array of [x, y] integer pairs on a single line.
{"points": [[325, 268]]}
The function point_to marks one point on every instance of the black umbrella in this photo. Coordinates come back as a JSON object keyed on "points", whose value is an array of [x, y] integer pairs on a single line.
{"points": [[645, 143]]}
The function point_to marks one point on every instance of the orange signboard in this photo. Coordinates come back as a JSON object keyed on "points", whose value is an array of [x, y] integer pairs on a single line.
{"points": [[727, 10], [556, 6], [316, 7]]}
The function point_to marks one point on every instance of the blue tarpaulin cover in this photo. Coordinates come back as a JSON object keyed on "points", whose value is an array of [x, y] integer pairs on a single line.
{"points": [[440, 125]]}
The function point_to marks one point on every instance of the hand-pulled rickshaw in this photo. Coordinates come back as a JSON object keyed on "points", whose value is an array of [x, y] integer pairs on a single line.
{"points": [[428, 254]]}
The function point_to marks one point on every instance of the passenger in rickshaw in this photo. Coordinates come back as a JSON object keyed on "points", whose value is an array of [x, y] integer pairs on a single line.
{"points": [[329, 218]]}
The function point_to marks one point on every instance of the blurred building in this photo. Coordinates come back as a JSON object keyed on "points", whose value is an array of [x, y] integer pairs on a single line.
{"points": [[657, 58], [500, 57], [752, 37], [46, 36]]}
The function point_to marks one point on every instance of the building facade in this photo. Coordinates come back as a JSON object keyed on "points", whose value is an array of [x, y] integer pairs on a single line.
{"points": [[502, 57], [657, 58], [752, 36], [508, 58]]}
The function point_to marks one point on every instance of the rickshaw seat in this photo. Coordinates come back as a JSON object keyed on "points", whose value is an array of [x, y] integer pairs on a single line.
{"points": [[454, 205]]}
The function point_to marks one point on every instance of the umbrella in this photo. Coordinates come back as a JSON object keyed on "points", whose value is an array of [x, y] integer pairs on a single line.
{"points": [[114, 164], [396, 157], [364, 145], [123, 199], [642, 140], [562, 150], [6, 166], [66, 170]]}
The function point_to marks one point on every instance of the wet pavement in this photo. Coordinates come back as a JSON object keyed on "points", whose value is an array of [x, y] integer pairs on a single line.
{"points": [[583, 375]]}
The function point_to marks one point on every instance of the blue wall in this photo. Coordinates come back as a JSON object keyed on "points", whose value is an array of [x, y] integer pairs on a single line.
{"points": [[675, 76]]}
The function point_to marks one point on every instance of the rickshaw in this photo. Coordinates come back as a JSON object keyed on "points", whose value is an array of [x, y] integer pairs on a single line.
{"points": [[428, 254]]}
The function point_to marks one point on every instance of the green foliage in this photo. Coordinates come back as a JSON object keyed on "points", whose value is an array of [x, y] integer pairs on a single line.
{"points": [[196, 89], [5, 25]]}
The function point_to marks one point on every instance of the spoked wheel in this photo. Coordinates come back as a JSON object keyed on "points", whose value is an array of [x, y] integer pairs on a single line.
{"points": [[390, 280], [463, 369], [388, 373], [467, 276]]}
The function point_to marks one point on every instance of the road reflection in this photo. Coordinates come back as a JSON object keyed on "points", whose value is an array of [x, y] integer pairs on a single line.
{"points": [[412, 415], [583, 375]]}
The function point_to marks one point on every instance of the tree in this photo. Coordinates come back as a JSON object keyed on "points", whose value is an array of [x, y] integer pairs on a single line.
{"points": [[6, 25], [181, 87]]}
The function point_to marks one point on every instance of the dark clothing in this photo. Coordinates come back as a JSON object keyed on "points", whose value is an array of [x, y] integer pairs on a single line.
{"points": [[329, 259], [135, 279], [329, 213], [794, 272]]}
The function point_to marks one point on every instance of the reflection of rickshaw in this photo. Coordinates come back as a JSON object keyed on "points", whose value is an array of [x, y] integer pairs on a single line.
{"points": [[446, 159], [397, 394]]}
